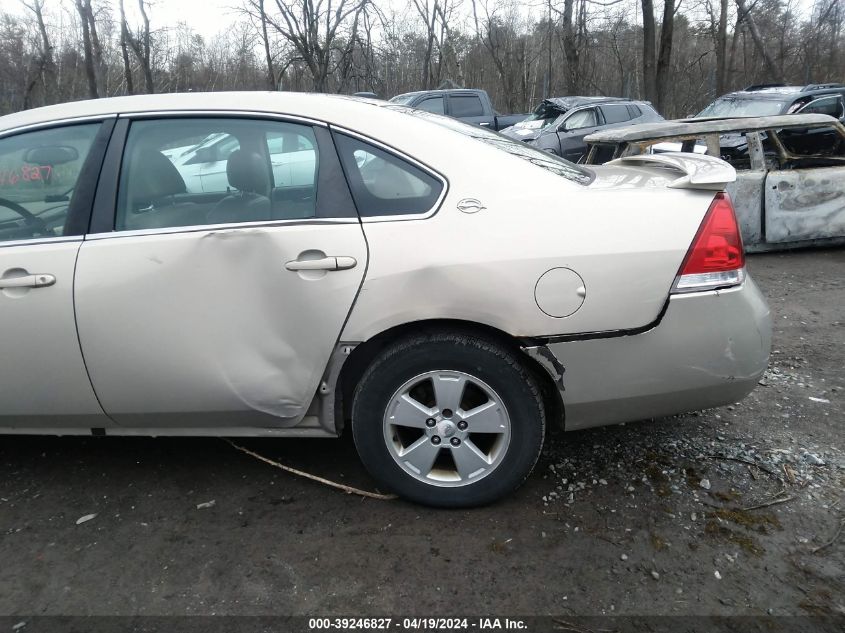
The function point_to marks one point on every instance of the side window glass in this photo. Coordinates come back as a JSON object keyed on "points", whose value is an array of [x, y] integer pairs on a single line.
{"points": [[615, 113], [38, 174], [384, 184], [466, 106], [189, 172], [832, 106], [581, 119], [433, 105]]}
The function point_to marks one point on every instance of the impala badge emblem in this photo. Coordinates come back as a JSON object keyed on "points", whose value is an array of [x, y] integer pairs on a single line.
{"points": [[470, 205]]}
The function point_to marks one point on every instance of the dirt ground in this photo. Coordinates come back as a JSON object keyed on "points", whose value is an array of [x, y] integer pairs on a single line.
{"points": [[649, 518]]}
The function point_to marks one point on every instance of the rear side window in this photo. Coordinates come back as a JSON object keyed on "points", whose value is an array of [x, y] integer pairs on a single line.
{"points": [[615, 113], [383, 184], [465, 106], [189, 172], [634, 111], [39, 172]]}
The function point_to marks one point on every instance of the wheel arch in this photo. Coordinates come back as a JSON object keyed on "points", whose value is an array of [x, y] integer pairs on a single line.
{"points": [[364, 353]]}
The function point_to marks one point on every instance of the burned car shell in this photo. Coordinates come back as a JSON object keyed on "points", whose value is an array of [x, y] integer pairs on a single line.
{"points": [[783, 199]]}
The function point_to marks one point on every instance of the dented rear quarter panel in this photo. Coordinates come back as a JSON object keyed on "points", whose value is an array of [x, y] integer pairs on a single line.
{"points": [[625, 235]]}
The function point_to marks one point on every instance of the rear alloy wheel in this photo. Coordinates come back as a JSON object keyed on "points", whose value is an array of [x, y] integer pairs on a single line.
{"points": [[448, 420]]}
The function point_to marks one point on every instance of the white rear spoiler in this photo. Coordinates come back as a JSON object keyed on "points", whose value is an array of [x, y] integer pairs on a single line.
{"points": [[696, 171]]}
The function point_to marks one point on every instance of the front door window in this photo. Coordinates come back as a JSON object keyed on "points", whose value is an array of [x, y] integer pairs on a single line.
{"points": [[38, 175]]}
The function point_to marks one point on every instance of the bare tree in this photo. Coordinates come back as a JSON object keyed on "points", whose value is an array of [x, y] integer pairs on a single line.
{"points": [[694, 51], [771, 68], [124, 51], [322, 33], [428, 12], [46, 63], [142, 45], [719, 32], [663, 76], [271, 75], [86, 16], [649, 67], [569, 44]]}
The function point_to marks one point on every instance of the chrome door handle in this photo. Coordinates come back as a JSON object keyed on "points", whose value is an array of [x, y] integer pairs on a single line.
{"points": [[28, 281], [324, 263]]}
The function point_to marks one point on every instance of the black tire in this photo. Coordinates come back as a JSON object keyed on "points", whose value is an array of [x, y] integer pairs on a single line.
{"points": [[498, 366]]}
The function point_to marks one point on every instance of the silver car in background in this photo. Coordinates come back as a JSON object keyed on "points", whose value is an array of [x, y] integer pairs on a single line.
{"points": [[401, 284]]}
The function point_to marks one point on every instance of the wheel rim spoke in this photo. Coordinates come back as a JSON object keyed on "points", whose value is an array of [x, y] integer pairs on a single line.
{"points": [[448, 390], [406, 411], [486, 418], [420, 455], [469, 459]]}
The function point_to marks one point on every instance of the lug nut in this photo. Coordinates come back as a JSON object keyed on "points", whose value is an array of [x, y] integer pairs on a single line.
{"points": [[430, 422], [447, 413], [435, 440], [462, 425], [455, 441]]}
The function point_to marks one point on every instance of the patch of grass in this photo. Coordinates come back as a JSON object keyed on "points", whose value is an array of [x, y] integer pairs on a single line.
{"points": [[747, 543], [758, 522], [660, 481], [818, 602], [692, 476]]}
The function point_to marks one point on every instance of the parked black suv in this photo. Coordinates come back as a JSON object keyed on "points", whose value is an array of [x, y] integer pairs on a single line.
{"points": [[559, 125], [772, 99]]}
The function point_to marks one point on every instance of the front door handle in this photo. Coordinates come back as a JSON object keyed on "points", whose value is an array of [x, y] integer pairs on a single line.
{"points": [[324, 263], [28, 281]]}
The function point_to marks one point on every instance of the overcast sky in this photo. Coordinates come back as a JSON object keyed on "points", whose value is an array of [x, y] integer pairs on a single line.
{"points": [[206, 17], [209, 17]]}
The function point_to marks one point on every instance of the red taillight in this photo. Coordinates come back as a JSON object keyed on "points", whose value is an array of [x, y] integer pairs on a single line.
{"points": [[716, 258]]}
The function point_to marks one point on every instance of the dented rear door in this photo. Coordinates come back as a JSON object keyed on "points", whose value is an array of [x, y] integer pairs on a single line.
{"points": [[220, 323]]}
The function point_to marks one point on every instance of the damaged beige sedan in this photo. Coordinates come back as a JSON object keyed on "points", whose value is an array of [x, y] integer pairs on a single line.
{"points": [[444, 290]]}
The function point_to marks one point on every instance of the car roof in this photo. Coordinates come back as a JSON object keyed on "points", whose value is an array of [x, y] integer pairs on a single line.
{"points": [[776, 92], [694, 127], [438, 91], [320, 107], [567, 103]]}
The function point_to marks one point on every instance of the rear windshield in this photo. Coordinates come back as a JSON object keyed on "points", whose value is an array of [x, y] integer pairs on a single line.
{"points": [[549, 162], [729, 107]]}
